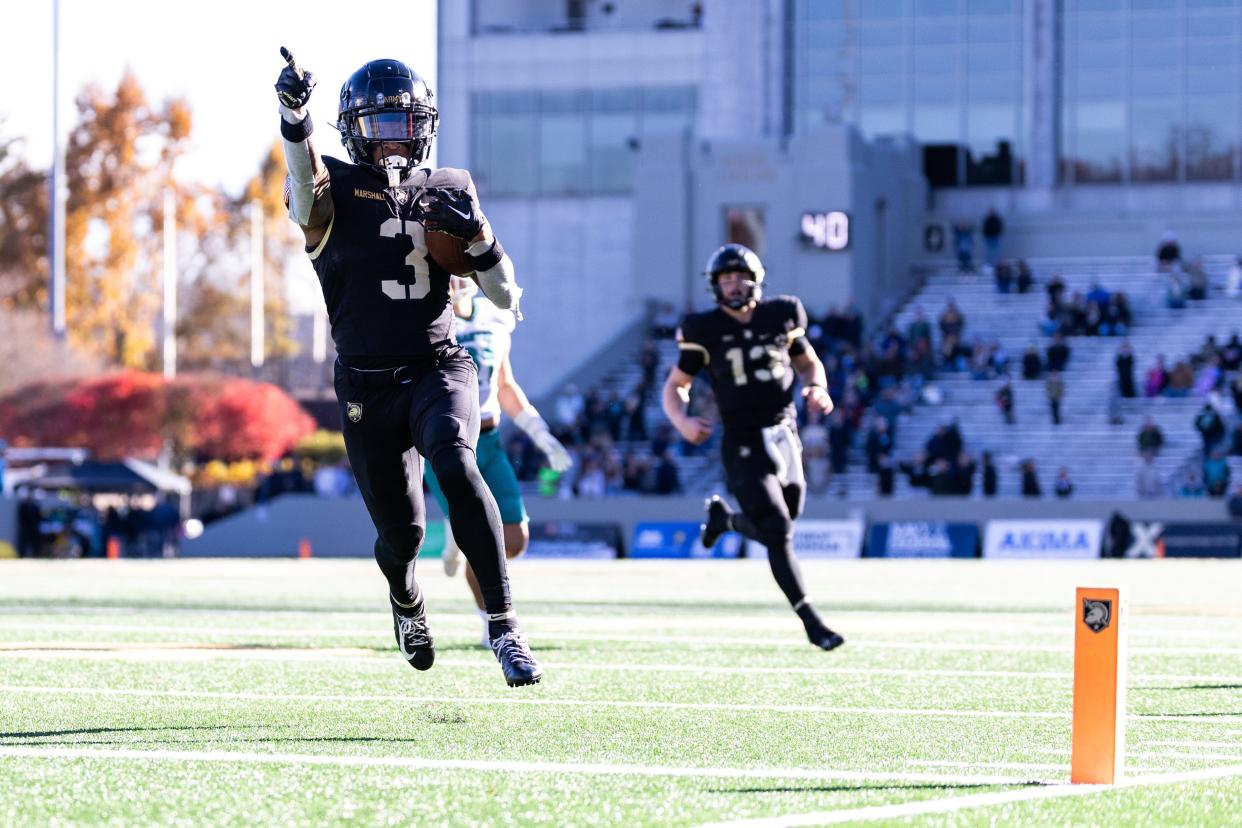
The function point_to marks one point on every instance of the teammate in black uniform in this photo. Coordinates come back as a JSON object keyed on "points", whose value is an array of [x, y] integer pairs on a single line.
{"points": [[751, 348], [405, 387]]}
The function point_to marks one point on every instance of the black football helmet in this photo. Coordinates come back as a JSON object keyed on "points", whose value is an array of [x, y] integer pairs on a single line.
{"points": [[739, 258], [387, 102]]}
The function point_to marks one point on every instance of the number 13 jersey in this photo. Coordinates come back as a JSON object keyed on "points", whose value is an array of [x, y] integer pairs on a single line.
{"points": [[748, 364], [386, 295]]}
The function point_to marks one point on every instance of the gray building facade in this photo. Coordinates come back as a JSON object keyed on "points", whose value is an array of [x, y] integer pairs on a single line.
{"points": [[616, 144]]}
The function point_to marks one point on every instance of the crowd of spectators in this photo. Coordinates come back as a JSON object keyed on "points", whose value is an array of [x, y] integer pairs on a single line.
{"points": [[60, 526]]}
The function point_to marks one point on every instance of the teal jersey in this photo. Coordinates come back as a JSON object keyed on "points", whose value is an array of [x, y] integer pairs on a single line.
{"points": [[486, 336]]}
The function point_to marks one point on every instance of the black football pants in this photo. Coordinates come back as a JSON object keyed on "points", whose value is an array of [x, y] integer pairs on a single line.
{"points": [[769, 507], [390, 419]]}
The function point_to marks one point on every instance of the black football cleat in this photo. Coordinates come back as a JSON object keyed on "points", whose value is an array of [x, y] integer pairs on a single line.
{"points": [[718, 514], [825, 638], [413, 636], [516, 660]]}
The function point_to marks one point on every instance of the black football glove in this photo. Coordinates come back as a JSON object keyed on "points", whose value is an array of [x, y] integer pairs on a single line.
{"points": [[451, 210], [294, 86]]}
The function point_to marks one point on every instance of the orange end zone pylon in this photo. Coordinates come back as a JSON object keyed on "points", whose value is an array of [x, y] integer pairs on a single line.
{"points": [[1099, 732], [304, 548]]}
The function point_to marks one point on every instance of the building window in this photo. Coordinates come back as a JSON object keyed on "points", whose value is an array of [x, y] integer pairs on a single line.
{"points": [[1150, 91], [948, 72], [569, 143]]}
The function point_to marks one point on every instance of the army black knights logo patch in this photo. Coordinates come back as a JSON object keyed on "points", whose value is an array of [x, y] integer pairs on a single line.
{"points": [[1096, 614], [354, 412]]}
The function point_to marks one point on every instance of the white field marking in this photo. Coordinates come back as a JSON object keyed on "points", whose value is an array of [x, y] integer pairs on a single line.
{"points": [[1206, 757], [541, 702], [952, 763], [1185, 744], [791, 641], [505, 766], [960, 803], [206, 651]]}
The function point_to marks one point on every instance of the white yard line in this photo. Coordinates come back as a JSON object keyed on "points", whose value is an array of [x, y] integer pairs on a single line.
{"points": [[1185, 744], [206, 650], [952, 763], [539, 702], [536, 632], [506, 766], [960, 803]]}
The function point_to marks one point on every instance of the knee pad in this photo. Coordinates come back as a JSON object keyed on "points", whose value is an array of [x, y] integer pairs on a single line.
{"points": [[399, 543]]}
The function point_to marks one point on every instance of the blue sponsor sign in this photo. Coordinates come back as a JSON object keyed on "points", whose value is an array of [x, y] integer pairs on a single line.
{"points": [[1199, 540], [679, 540], [922, 539]]}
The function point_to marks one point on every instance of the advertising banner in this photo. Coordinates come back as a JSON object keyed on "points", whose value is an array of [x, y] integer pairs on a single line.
{"points": [[923, 539], [1153, 539], [1046, 538], [820, 539], [667, 539], [571, 539]]}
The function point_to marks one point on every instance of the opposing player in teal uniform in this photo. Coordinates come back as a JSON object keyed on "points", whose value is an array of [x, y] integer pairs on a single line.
{"points": [[486, 332]]}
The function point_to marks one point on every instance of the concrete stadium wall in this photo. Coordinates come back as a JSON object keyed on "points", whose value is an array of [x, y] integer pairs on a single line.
{"points": [[341, 528]]}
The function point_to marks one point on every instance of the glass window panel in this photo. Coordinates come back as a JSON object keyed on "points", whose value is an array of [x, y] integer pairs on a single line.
{"points": [[1153, 140], [1162, 5], [1212, 25], [880, 34], [1107, 84], [881, 120], [990, 30], [1210, 4], [936, 33], [611, 155], [1097, 27], [938, 123], [823, 35], [990, 59], [1092, 5], [1157, 29], [934, 89], [881, 8], [1211, 137], [1208, 82], [562, 145], [991, 6], [669, 99], [1100, 53], [513, 140], [935, 7], [1148, 84], [1216, 52], [986, 124], [816, 63], [882, 61], [935, 61], [992, 86], [881, 89], [821, 9]]}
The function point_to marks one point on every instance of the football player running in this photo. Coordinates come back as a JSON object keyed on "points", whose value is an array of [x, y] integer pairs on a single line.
{"points": [[405, 387], [486, 332], [751, 348]]}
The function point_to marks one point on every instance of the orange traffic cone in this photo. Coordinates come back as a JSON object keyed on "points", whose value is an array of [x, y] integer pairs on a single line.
{"points": [[304, 548]]}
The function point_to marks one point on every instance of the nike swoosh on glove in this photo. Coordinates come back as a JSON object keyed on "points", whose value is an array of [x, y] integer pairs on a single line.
{"points": [[451, 210]]}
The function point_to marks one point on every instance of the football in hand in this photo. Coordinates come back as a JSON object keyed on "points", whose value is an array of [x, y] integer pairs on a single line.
{"points": [[449, 252]]}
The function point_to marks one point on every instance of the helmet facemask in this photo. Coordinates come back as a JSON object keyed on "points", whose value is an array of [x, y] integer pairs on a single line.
{"points": [[752, 293]]}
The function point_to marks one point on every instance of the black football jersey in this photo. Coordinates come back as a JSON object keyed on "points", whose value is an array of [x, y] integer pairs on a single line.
{"points": [[386, 296], [748, 364]]}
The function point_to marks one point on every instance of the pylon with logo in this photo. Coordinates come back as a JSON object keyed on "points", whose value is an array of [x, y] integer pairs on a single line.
{"points": [[1099, 730]]}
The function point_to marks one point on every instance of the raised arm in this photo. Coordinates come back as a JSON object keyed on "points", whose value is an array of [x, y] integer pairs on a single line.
{"points": [[307, 193]]}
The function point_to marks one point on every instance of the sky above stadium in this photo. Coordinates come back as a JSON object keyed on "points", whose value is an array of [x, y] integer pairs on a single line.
{"points": [[222, 56]]}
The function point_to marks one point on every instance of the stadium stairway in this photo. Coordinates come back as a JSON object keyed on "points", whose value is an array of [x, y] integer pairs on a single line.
{"points": [[1101, 456]]}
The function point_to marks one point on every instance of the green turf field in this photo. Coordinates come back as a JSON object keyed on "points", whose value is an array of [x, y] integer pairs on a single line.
{"points": [[676, 693]]}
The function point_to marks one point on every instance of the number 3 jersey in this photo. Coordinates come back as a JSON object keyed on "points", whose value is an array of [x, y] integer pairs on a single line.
{"points": [[486, 335], [748, 364], [386, 296]]}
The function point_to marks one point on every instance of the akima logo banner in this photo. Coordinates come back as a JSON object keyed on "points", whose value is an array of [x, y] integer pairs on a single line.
{"points": [[1063, 539]]}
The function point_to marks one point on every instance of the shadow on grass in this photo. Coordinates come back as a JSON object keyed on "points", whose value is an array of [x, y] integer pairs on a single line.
{"points": [[84, 731], [1193, 687]]}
